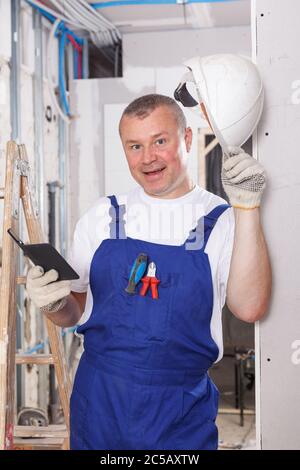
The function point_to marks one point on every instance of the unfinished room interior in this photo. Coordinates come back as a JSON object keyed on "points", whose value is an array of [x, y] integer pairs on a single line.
{"points": [[150, 188]]}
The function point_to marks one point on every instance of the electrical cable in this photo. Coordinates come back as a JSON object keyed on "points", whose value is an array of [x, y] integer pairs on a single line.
{"points": [[52, 12], [51, 85], [117, 3], [81, 15], [71, 11]]}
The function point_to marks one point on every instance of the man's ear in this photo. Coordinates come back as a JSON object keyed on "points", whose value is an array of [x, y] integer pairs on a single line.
{"points": [[188, 137]]}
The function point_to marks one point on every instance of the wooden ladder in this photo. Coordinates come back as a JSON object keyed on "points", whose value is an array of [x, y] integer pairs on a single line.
{"points": [[18, 186]]}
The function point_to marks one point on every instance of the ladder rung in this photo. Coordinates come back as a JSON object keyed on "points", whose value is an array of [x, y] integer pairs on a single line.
{"points": [[21, 280], [53, 430], [47, 443], [34, 359]]}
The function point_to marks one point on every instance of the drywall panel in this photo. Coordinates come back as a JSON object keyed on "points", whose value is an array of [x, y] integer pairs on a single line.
{"points": [[276, 31], [172, 48], [86, 157]]}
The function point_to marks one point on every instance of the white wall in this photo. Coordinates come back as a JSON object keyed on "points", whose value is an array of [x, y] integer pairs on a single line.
{"points": [[278, 335], [5, 43], [172, 48]]}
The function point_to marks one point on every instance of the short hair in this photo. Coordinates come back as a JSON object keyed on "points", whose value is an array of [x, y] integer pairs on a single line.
{"points": [[145, 105]]}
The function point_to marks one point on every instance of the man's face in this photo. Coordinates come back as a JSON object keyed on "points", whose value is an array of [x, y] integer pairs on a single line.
{"points": [[156, 151]]}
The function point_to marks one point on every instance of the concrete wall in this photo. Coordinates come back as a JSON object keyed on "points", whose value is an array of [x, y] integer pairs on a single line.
{"points": [[276, 44]]}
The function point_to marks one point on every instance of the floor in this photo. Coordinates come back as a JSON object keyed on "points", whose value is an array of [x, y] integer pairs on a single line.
{"points": [[233, 436]]}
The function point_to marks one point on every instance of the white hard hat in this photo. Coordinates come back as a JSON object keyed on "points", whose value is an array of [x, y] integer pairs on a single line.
{"points": [[231, 90]]}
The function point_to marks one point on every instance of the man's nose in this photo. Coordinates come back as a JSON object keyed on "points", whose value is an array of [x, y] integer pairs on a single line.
{"points": [[149, 155]]}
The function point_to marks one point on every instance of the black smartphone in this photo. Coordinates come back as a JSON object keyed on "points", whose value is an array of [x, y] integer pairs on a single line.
{"points": [[46, 256]]}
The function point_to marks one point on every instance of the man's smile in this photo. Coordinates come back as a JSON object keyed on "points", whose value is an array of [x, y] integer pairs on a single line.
{"points": [[156, 172]]}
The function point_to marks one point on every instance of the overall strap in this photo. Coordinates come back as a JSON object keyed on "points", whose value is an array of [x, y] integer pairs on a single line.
{"points": [[117, 223], [211, 219], [199, 236]]}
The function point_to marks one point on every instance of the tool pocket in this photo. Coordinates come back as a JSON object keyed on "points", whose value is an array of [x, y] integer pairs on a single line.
{"points": [[142, 317], [122, 307], [152, 316]]}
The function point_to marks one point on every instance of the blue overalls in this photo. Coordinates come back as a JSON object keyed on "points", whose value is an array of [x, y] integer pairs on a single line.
{"points": [[142, 381]]}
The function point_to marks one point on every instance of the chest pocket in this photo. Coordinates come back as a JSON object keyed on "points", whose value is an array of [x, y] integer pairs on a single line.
{"points": [[142, 317]]}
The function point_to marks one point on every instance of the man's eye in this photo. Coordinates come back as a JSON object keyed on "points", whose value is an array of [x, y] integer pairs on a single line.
{"points": [[161, 141], [135, 147]]}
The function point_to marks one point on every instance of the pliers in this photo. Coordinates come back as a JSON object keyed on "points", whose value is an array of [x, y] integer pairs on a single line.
{"points": [[150, 279]]}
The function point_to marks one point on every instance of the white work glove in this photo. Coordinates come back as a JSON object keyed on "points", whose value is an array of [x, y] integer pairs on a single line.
{"points": [[48, 295], [243, 179]]}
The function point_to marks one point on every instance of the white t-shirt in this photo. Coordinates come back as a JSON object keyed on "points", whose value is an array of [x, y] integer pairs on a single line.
{"points": [[164, 221]]}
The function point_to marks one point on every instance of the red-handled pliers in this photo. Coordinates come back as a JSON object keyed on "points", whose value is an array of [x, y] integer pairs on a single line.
{"points": [[151, 280]]}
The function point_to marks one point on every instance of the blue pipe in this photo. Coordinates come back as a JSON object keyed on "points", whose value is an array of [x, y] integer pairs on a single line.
{"points": [[52, 19], [119, 3], [40, 346], [44, 13], [75, 68], [62, 85], [63, 40]]}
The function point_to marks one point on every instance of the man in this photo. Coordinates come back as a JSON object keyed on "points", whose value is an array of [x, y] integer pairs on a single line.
{"points": [[142, 381]]}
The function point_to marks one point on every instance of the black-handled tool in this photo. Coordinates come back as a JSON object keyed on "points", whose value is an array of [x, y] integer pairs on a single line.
{"points": [[137, 272]]}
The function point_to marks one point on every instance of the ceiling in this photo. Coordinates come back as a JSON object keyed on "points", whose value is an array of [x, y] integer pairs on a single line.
{"points": [[138, 18]]}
